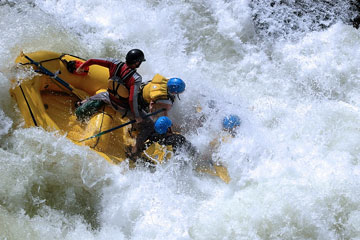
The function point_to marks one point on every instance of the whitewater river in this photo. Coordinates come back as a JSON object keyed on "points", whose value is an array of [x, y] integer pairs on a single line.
{"points": [[291, 71]]}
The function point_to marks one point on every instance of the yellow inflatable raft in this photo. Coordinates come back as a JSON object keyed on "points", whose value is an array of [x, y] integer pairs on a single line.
{"points": [[48, 99]]}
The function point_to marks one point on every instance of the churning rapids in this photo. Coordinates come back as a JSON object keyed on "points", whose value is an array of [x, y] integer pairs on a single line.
{"points": [[289, 69]]}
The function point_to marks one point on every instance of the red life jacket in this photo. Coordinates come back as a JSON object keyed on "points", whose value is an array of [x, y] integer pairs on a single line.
{"points": [[118, 85]]}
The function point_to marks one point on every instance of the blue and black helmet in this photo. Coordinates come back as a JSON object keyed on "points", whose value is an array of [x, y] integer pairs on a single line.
{"points": [[176, 85], [231, 122], [162, 125]]}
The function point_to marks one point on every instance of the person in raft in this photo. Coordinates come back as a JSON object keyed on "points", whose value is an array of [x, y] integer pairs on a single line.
{"points": [[163, 135], [122, 94], [230, 125], [160, 93]]}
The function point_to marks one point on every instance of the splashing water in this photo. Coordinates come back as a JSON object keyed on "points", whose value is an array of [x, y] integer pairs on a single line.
{"points": [[289, 69]]}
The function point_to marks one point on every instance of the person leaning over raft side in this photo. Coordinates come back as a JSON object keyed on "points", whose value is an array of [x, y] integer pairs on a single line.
{"points": [[163, 135], [160, 93], [230, 125], [122, 94], [209, 161]]}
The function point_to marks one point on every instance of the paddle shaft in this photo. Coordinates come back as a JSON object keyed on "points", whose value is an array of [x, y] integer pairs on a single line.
{"points": [[47, 72], [122, 125]]}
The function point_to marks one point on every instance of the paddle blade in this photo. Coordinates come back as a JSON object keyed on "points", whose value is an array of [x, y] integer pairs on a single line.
{"points": [[216, 171], [222, 173]]}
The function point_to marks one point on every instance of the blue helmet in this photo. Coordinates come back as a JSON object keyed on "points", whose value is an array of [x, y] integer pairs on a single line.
{"points": [[162, 124], [176, 85], [231, 121]]}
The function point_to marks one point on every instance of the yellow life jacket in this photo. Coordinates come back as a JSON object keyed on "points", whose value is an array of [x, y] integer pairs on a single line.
{"points": [[157, 153], [156, 89]]}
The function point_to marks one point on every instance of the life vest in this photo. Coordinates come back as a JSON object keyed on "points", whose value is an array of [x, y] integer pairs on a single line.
{"points": [[156, 89], [160, 148], [156, 153], [116, 84]]}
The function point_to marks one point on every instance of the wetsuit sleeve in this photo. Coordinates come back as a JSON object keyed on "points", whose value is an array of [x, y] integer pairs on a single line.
{"points": [[108, 63], [134, 93]]}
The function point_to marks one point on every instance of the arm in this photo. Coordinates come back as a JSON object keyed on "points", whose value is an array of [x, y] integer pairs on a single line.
{"points": [[133, 97], [158, 105], [108, 63]]}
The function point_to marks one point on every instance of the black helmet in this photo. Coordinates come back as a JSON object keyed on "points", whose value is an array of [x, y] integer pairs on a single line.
{"points": [[135, 55]]}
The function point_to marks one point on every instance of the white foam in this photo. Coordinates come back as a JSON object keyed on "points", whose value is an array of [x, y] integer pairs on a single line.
{"points": [[294, 163]]}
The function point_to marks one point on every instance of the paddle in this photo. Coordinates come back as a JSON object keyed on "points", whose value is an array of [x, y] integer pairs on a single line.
{"points": [[80, 94], [120, 126], [215, 169], [221, 172]]}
